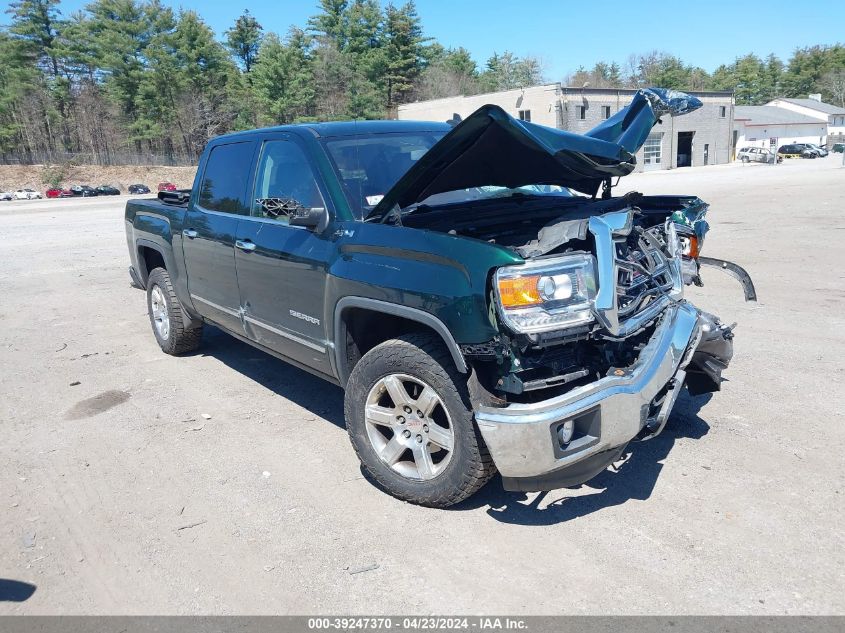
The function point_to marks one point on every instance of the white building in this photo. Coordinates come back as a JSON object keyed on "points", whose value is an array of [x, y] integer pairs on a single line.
{"points": [[538, 104], [813, 107], [755, 126]]}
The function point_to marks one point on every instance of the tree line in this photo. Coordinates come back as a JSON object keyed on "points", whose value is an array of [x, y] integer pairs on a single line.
{"points": [[136, 77], [755, 80]]}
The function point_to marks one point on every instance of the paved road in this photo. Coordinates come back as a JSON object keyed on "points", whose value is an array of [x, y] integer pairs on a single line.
{"points": [[118, 496]]}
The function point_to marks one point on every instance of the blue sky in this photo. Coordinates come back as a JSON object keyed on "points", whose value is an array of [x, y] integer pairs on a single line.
{"points": [[567, 34]]}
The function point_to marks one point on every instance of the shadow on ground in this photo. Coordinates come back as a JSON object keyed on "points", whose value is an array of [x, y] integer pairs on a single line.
{"points": [[309, 392], [15, 590], [633, 478]]}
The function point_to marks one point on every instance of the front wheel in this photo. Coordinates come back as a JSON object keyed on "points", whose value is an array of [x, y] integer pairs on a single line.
{"points": [[410, 422], [745, 159]]}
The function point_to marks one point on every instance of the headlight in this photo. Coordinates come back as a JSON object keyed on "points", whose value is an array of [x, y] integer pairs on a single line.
{"points": [[547, 294]]}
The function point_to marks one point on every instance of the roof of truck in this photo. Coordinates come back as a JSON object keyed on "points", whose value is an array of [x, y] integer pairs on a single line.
{"points": [[350, 128]]}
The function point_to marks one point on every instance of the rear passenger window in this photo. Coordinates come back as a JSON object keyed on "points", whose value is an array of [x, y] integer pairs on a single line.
{"points": [[224, 183]]}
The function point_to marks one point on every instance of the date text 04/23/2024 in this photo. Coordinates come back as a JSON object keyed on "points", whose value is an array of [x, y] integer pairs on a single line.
{"points": [[424, 623]]}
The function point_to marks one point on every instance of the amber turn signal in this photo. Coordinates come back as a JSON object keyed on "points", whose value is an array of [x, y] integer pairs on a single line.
{"points": [[693, 246], [516, 292]]}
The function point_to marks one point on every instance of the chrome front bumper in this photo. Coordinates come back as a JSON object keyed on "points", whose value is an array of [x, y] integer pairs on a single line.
{"points": [[608, 413]]}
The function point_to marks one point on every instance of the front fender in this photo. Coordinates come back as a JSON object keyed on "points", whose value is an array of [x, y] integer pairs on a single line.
{"points": [[734, 270], [437, 279], [443, 275]]}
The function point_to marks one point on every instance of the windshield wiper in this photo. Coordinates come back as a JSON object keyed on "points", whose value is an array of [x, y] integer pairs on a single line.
{"points": [[420, 206]]}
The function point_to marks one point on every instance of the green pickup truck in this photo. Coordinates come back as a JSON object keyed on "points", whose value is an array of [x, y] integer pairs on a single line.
{"points": [[481, 296]]}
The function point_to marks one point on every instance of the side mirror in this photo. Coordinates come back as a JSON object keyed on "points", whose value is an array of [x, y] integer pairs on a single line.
{"points": [[314, 218]]}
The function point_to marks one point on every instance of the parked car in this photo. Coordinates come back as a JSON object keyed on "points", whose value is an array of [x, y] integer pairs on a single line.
{"points": [[477, 320], [83, 190], [757, 155], [822, 152], [838, 148], [139, 189], [796, 150], [27, 194], [166, 186], [58, 192], [107, 190], [811, 148], [7, 195]]}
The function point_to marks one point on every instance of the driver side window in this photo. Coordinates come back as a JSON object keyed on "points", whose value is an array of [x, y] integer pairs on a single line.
{"points": [[285, 181]]}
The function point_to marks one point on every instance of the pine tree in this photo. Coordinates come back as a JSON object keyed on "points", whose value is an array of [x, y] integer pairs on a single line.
{"points": [[18, 78], [244, 40], [366, 56], [403, 48], [282, 79], [507, 72], [332, 22], [212, 81], [37, 22], [809, 65], [120, 32]]}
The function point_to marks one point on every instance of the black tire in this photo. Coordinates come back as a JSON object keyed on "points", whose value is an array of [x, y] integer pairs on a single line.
{"points": [[179, 339], [745, 159], [424, 357]]}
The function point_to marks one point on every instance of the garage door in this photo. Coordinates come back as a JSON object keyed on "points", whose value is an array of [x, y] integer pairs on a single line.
{"points": [[653, 152]]}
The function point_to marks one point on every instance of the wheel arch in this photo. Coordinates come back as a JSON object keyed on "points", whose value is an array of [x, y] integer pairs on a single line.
{"points": [[150, 256], [349, 306]]}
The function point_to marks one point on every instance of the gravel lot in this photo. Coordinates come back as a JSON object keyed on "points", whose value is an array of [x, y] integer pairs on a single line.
{"points": [[117, 495]]}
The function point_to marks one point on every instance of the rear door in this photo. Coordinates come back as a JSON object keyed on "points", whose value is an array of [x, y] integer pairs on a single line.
{"points": [[282, 268], [209, 232]]}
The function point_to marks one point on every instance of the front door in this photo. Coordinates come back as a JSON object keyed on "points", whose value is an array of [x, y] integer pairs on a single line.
{"points": [[282, 268], [208, 236]]}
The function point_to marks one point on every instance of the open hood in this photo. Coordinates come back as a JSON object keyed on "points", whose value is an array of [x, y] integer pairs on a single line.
{"points": [[490, 147]]}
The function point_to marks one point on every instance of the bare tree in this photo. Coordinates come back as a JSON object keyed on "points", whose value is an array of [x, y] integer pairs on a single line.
{"points": [[834, 84]]}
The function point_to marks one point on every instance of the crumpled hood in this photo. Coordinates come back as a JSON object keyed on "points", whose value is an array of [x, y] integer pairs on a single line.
{"points": [[490, 147]]}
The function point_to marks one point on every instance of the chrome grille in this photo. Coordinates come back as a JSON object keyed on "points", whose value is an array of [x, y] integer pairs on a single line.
{"points": [[642, 272], [638, 272]]}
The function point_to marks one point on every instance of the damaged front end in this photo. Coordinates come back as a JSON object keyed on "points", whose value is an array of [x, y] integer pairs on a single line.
{"points": [[595, 337], [560, 403]]}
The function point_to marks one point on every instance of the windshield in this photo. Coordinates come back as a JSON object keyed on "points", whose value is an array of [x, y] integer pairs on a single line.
{"points": [[369, 165]]}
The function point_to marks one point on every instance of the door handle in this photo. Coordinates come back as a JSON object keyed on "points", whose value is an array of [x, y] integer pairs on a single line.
{"points": [[189, 233], [245, 245]]}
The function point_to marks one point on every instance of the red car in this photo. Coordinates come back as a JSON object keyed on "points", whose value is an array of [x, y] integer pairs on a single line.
{"points": [[166, 186], [55, 192]]}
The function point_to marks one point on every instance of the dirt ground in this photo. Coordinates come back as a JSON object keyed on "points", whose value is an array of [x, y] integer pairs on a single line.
{"points": [[119, 496], [13, 177]]}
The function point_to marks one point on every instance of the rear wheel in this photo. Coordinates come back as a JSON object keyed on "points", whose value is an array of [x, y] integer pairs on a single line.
{"points": [[167, 316], [411, 424]]}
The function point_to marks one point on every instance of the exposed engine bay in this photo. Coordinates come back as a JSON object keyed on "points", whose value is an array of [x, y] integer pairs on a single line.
{"points": [[536, 227], [646, 247]]}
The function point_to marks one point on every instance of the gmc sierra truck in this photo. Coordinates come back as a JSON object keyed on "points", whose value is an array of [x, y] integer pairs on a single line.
{"points": [[480, 294]]}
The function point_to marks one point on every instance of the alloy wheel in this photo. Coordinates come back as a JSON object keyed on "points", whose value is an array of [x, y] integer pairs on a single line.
{"points": [[161, 319], [409, 426]]}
